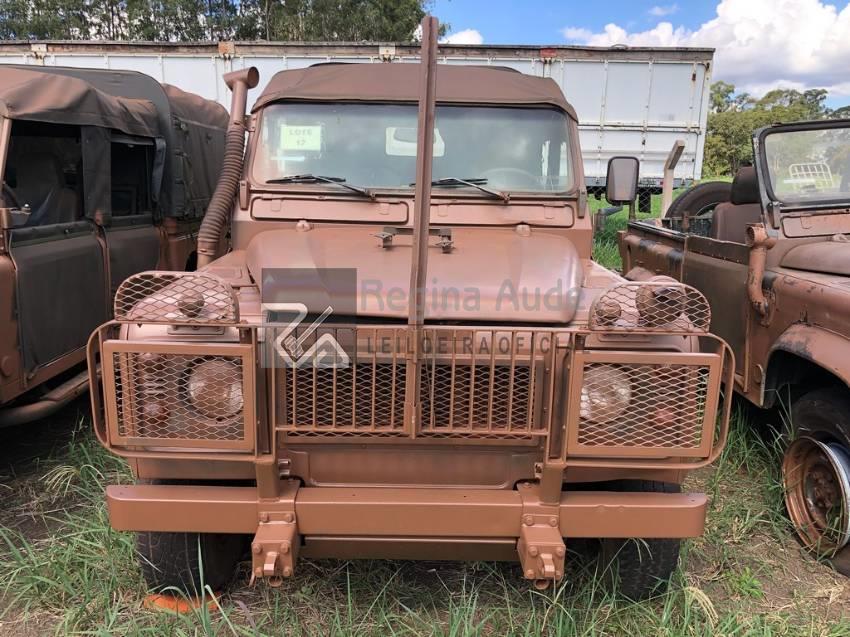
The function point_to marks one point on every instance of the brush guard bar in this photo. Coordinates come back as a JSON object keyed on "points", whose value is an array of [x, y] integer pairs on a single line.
{"points": [[515, 386]]}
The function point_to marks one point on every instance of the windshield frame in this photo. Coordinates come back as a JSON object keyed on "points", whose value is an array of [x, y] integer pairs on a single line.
{"points": [[460, 193], [768, 195]]}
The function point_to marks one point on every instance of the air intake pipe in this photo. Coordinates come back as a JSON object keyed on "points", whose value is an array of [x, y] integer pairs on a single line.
{"points": [[221, 203], [759, 243]]}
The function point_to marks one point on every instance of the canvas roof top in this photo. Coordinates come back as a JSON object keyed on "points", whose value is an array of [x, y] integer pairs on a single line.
{"points": [[44, 96], [399, 82]]}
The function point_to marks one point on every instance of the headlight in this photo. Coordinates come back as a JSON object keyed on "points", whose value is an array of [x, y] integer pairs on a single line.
{"points": [[660, 305], [215, 389], [605, 393]]}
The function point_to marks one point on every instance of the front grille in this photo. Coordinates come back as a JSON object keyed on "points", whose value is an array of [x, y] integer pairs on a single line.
{"points": [[477, 398], [170, 399], [462, 391], [359, 397]]}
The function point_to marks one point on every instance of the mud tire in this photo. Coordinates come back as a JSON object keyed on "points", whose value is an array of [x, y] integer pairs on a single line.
{"points": [[188, 561], [638, 568], [699, 198]]}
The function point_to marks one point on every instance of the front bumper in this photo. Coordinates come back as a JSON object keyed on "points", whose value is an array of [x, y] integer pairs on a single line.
{"points": [[408, 523]]}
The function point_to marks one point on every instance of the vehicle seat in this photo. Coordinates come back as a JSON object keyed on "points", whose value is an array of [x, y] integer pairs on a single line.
{"points": [[744, 208], [41, 185]]}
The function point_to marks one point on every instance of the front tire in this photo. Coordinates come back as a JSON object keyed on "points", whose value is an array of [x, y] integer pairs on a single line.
{"points": [[638, 568], [816, 470], [188, 561]]}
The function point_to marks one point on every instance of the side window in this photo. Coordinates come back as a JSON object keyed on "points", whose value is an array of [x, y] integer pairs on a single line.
{"points": [[43, 176], [131, 165]]}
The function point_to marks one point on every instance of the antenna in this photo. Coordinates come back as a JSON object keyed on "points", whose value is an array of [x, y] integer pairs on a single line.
{"points": [[421, 216]]}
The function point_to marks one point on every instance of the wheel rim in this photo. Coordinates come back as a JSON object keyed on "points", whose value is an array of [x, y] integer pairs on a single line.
{"points": [[816, 478]]}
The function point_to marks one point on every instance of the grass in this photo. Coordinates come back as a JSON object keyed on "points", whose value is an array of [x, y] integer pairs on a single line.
{"points": [[64, 571], [605, 250]]}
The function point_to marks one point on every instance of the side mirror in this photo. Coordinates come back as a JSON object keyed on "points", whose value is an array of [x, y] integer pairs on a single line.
{"points": [[622, 180]]}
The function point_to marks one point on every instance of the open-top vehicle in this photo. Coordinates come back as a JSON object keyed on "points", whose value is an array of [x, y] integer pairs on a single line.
{"points": [[771, 253], [373, 369], [104, 174]]}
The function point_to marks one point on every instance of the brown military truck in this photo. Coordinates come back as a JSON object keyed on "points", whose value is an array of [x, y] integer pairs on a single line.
{"points": [[771, 254], [456, 378], [104, 174]]}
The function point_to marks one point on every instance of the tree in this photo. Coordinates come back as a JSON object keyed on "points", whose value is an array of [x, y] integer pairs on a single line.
{"points": [[721, 97], [197, 20], [736, 116]]}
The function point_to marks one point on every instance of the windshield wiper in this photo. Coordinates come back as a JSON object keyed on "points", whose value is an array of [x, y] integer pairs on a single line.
{"points": [[472, 182], [311, 179]]}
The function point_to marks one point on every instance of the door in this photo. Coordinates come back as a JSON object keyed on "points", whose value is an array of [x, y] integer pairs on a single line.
{"points": [[132, 237], [59, 260], [719, 270]]}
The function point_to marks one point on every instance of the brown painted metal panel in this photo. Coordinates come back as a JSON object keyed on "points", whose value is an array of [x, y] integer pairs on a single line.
{"points": [[408, 513]]}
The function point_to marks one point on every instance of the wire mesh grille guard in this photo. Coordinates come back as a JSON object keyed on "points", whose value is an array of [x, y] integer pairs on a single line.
{"points": [[473, 383], [625, 406], [651, 306], [179, 399], [175, 297]]}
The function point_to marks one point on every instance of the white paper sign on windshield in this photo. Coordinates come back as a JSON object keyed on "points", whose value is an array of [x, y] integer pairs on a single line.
{"points": [[301, 137]]}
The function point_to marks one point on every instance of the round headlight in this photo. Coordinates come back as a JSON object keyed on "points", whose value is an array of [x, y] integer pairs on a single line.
{"points": [[215, 389], [605, 393]]}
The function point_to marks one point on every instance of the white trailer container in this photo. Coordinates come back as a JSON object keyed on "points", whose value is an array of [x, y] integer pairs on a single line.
{"points": [[630, 101]]}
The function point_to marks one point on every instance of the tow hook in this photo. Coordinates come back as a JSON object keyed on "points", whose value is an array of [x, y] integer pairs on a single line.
{"points": [[274, 549], [540, 545]]}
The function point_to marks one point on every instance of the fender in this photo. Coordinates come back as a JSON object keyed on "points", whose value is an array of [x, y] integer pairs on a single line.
{"points": [[821, 347]]}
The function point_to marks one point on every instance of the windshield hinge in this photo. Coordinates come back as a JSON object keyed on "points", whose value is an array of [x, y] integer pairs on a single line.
{"points": [[774, 210], [445, 234]]}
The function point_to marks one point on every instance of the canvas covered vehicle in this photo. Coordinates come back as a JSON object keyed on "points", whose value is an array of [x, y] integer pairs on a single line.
{"points": [[770, 251], [104, 174], [406, 351]]}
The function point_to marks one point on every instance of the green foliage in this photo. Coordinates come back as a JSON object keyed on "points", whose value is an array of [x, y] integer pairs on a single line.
{"points": [[197, 20], [734, 118]]}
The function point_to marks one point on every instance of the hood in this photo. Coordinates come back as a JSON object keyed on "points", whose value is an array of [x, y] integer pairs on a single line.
{"points": [[826, 257], [490, 274]]}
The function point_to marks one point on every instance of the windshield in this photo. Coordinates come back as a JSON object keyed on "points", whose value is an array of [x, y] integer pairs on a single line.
{"points": [[374, 145], [807, 166]]}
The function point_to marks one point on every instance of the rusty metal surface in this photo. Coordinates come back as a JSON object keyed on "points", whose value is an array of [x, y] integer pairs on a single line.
{"points": [[828, 257]]}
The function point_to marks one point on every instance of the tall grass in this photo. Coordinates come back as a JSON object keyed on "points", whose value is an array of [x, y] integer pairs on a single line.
{"points": [[80, 577]]}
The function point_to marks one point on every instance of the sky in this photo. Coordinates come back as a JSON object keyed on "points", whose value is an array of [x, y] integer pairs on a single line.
{"points": [[760, 44]]}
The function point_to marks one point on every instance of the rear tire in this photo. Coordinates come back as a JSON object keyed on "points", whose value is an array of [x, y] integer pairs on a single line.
{"points": [[638, 568], [188, 561], [699, 199]]}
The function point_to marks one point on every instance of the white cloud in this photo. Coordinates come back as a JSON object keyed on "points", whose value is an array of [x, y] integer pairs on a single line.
{"points": [[760, 44], [659, 11], [467, 36]]}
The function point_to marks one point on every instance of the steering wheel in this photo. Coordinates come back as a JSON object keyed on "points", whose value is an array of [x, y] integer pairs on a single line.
{"points": [[8, 196], [525, 177]]}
